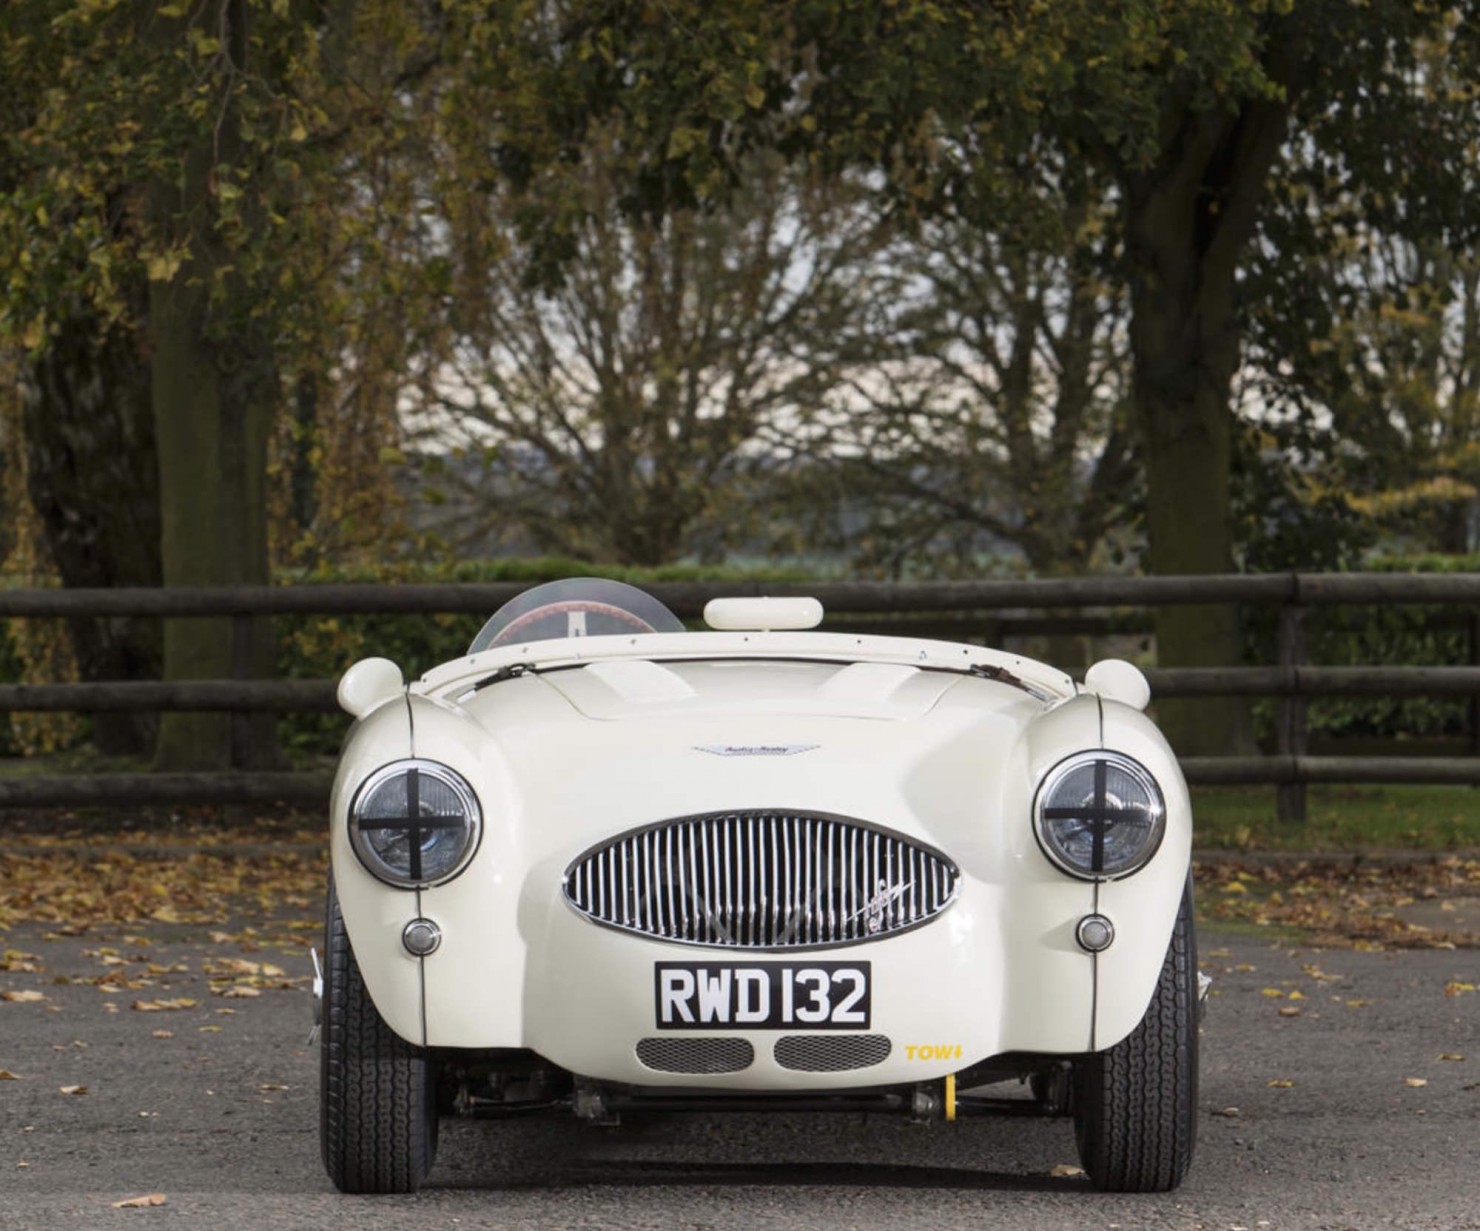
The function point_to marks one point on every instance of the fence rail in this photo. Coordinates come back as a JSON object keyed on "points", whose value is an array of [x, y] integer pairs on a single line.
{"points": [[992, 606], [688, 598]]}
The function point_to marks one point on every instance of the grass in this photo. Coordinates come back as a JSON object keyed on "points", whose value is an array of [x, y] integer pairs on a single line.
{"points": [[1339, 819]]}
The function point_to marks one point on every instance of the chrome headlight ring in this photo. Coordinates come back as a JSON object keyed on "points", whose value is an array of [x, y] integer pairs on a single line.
{"points": [[415, 823], [1099, 815]]}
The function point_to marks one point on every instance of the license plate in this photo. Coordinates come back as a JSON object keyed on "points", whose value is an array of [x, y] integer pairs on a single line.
{"points": [[762, 995]]}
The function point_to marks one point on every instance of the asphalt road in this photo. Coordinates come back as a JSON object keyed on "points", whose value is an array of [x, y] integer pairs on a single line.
{"points": [[214, 1105]]}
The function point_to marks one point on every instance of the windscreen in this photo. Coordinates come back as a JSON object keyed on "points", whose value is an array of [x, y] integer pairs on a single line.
{"points": [[575, 607]]}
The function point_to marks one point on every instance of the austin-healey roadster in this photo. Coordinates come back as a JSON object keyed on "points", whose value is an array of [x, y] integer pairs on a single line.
{"points": [[601, 864]]}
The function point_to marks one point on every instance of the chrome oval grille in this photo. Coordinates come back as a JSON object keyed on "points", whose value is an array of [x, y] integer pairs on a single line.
{"points": [[761, 880]]}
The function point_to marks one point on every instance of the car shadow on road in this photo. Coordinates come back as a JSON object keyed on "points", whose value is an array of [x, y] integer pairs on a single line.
{"points": [[771, 1151], [635, 1175]]}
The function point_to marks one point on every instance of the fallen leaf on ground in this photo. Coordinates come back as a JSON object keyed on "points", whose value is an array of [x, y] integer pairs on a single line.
{"points": [[161, 1006], [162, 1034], [1064, 1171], [7, 1075], [1457, 988], [233, 966], [188, 877], [1339, 903], [1415, 1082], [1321, 976], [72, 1089], [139, 1203], [1450, 1055], [1281, 1083], [26, 996]]}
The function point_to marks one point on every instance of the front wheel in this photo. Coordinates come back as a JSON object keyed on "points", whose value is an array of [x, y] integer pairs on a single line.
{"points": [[1135, 1105], [377, 1092]]}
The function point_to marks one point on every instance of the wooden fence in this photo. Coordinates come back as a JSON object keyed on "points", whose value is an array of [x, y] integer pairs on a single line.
{"points": [[990, 607]]}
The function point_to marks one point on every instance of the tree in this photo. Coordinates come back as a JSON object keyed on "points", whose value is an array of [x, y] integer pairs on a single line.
{"points": [[994, 408], [1365, 315], [86, 424], [625, 410], [1192, 211], [171, 178], [92, 479], [1187, 105], [1396, 382]]}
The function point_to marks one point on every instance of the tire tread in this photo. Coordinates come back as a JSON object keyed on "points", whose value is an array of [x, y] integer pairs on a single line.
{"points": [[1135, 1106], [377, 1110]]}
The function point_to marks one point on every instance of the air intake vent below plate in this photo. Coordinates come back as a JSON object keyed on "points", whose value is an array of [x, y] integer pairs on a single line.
{"points": [[831, 1053], [689, 1055]]}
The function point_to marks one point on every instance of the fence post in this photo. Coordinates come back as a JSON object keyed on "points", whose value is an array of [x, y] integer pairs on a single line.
{"points": [[241, 669], [1290, 732], [1474, 706]]}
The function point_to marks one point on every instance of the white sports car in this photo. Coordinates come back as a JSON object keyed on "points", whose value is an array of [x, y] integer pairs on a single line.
{"points": [[604, 864]]}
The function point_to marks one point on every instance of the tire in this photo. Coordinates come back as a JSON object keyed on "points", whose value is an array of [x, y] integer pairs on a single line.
{"points": [[1135, 1105], [377, 1092]]}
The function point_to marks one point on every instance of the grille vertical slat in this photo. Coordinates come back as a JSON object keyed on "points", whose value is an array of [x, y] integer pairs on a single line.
{"points": [[761, 880], [727, 874], [689, 875], [752, 883], [703, 911], [850, 907]]}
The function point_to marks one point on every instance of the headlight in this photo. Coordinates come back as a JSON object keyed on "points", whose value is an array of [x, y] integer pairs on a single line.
{"points": [[415, 823], [1099, 815]]}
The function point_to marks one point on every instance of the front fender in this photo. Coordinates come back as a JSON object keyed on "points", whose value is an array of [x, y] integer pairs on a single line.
{"points": [[375, 913], [1143, 906]]}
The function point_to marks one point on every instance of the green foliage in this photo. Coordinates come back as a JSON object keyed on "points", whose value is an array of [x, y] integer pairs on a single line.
{"points": [[1391, 636], [1363, 294], [1290, 510], [1339, 819], [108, 99], [929, 90]]}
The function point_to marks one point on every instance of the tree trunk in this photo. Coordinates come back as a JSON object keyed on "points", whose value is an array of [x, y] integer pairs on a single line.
{"points": [[1187, 432], [214, 391], [92, 479], [212, 411], [1188, 220]]}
